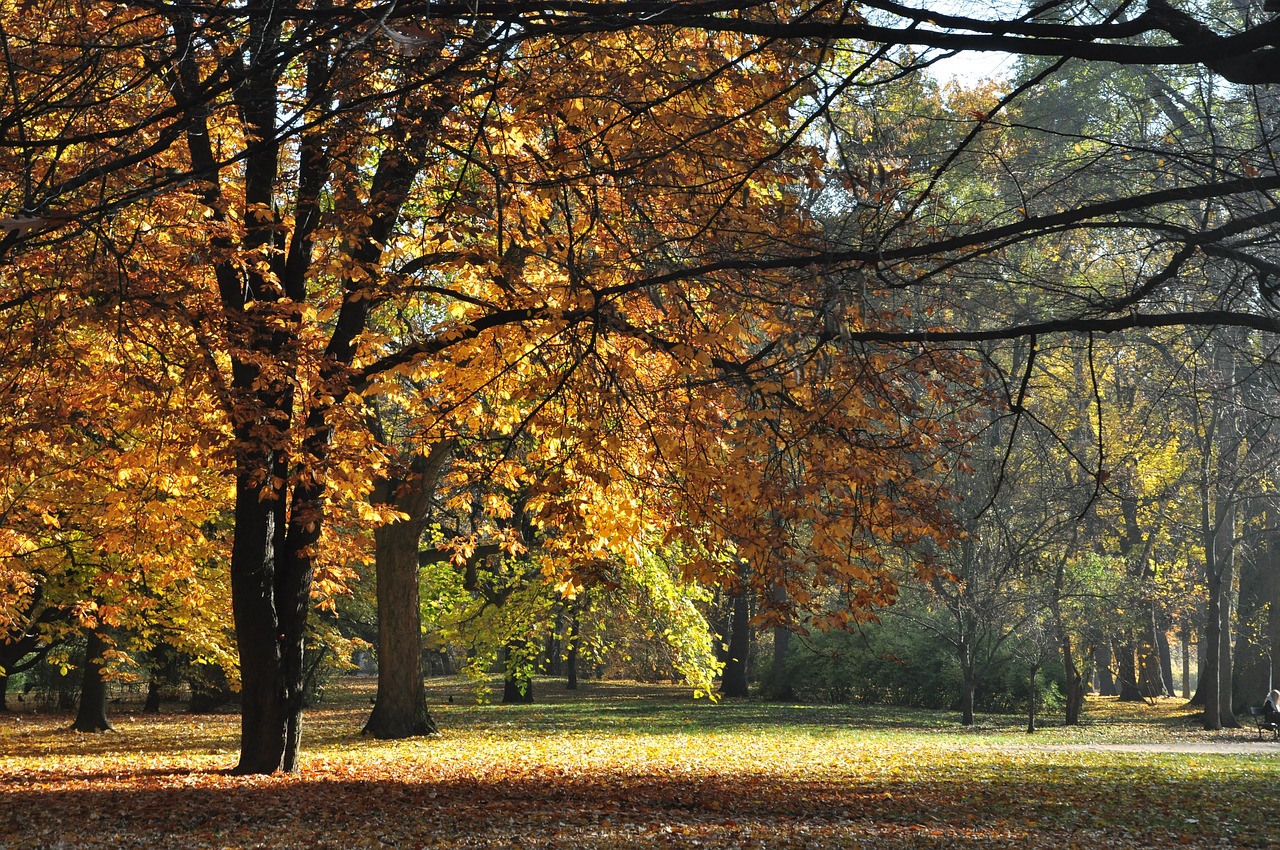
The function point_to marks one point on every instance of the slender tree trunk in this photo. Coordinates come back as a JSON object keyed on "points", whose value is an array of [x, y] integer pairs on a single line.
{"points": [[92, 716], [1165, 652], [779, 686], [968, 690], [1031, 702], [1186, 661], [968, 684], [1218, 492], [1210, 677], [571, 651], [1152, 681]]}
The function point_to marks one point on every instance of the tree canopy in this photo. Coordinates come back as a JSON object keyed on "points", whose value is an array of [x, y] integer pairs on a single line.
{"points": [[660, 273]]}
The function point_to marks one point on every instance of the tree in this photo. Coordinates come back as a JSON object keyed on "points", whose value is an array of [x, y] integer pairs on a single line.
{"points": [[310, 166], [92, 713], [400, 710]]}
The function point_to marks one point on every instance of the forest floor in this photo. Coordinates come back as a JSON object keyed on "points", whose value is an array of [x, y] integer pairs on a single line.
{"points": [[620, 765]]}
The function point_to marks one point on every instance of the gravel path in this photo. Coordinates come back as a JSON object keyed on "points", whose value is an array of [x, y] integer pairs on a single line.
{"points": [[1234, 746]]}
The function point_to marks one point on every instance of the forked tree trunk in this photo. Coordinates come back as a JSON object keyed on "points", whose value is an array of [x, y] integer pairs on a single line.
{"points": [[270, 593]]}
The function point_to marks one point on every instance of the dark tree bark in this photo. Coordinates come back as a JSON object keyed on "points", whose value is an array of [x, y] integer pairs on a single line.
{"points": [[400, 708], [968, 684], [734, 679], [1074, 683], [779, 685], [1218, 516], [571, 651], [1251, 679], [25, 645], [1032, 699], [1165, 653], [779, 674], [517, 687], [1103, 666], [1153, 651], [92, 715], [210, 689], [1127, 674], [153, 703], [1273, 590], [1186, 661]]}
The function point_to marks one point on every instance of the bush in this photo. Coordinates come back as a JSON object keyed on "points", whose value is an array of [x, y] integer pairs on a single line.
{"points": [[899, 663]]}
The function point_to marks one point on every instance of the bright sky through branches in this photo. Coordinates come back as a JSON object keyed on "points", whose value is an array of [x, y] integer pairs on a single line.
{"points": [[970, 67]]}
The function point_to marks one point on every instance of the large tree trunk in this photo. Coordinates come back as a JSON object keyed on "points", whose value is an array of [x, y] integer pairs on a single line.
{"points": [[1252, 678], [153, 703], [1218, 492], [1273, 591], [734, 679], [400, 708], [92, 715], [270, 592]]}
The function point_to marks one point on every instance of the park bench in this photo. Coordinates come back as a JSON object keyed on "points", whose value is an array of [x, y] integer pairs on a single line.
{"points": [[1264, 725]]}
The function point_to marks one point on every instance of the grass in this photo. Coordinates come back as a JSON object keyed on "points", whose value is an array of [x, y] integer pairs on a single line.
{"points": [[619, 765]]}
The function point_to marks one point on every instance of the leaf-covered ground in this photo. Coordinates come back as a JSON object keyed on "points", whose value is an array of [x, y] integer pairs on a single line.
{"points": [[618, 766]]}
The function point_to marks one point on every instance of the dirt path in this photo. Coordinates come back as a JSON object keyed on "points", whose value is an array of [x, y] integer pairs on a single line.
{"points": [[1233, 746]]}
